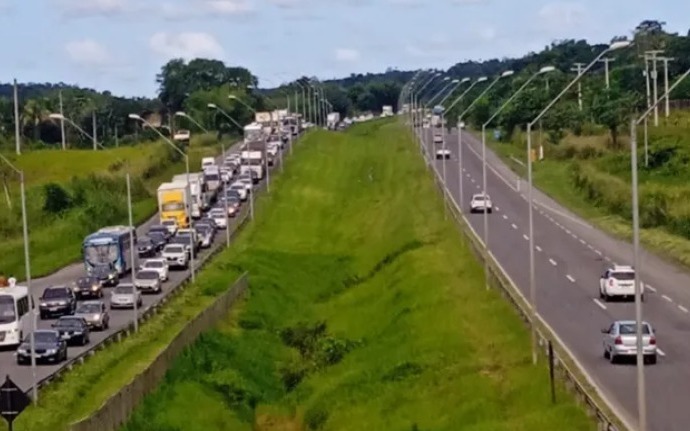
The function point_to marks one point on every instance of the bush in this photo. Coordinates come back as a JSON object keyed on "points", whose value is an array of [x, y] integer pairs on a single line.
{"points": [[315, 418], [57, 200]]}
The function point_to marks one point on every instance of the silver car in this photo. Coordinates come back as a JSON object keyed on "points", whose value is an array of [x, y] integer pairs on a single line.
{"points": [[95, 314], [148, 280], [620, 341], [124, 296]]}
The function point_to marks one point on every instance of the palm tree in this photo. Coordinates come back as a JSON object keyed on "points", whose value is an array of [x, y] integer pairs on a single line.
{"points": [[33, 114]]}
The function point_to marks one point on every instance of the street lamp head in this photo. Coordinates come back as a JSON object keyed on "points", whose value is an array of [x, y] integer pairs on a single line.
{"points": [[619, 44], [546, 69], [438, 74], [482, 79], [212, 106], [232, 96], [507, 73], [455, 81], [180, 114], [56, 116], [135, 116], [464, 80], [446, 78]]}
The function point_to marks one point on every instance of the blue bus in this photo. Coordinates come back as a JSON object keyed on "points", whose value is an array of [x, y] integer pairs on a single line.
{"points": [[109, 245]]}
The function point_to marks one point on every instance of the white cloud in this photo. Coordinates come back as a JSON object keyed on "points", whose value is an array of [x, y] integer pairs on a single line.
{"points": [[562, 16], [95, 7], [89, 53], [347, 55], [186, 45]]}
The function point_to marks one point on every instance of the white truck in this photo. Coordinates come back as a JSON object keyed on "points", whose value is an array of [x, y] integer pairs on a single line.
{"points": [[207, 161], [213, 179], [252, 132], [196, 190], [253, 160], [263, 117], [386, 111], [332, 120]]}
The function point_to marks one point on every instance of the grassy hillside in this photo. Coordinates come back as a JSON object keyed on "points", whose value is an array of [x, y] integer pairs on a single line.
{"points": [[72, 193], [366, 312], [591, 176]]}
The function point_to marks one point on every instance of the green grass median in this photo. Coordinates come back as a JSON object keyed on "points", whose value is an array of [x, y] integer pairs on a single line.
{"points": [[366, 311]]}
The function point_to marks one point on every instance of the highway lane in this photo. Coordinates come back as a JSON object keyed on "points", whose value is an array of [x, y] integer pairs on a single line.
{"points": [[22, 375], [568, 266]]}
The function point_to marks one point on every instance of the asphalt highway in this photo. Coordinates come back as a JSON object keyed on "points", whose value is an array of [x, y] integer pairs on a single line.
{"points": [[570, 256], [22, 374]]}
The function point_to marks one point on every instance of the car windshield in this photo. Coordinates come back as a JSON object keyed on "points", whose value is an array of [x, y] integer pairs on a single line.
{"points": [[55, 293], [623, 275], [172, 206], [123, 289], [158, 230], [168, 222], [157, 236], [174, 249], [98, 254], [89, 309], [211, 177], [145, 241], [153, 264], [43, 337], [147, 275], [69, 321], [631, 329], [7, 309], [479, 198], [86, 281]]}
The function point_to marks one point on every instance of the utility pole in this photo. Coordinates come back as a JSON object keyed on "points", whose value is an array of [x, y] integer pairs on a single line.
{"points": [[578, 68], [93, 129], [652, 55], [17, 135], [62, 123], [667, 104], [606, 62]]}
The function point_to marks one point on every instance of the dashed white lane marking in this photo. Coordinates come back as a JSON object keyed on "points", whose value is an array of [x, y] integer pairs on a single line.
{"points": [[552, 262], [505, 217], [599, 303], [660, 352], [559, 225], [526, 237], [472, 179], [496, 208], [513, 226], [589, 246], [538, 248], [582, 241], [683, 309], [464, 170], [651, 288], [568, 231], [667, 298], [570, 277], [608, 259], [574, 236], [598, 252]]}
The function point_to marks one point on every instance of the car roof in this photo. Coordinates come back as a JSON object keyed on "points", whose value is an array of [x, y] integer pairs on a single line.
{"points": [[92, 302], [155, 259], [622, 268], [630, 322]]}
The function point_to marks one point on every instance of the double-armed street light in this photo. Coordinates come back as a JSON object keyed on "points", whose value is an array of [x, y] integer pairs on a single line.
{"points": [[27, 273], [641, 393], [57, 116], [165, 139], [190, 118], [530, 203]]}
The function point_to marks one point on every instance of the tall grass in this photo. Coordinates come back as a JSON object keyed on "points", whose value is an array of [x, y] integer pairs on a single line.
{"points": [[365, 312]]}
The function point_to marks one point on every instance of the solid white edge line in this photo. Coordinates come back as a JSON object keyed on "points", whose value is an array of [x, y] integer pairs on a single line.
{"points": [[570, 277], [683, 309], [552, 262], [667, 298], [599, 303]]}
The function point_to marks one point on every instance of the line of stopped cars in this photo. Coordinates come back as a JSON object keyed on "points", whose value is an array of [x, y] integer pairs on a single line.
{"points": [[84, 306], [617, 282]]}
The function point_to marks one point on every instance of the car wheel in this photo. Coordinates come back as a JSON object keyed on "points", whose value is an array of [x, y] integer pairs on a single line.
{"points": [[43, 316], [606, 354], [641, 298], [606, 297], [489, 211], [612, 358]]}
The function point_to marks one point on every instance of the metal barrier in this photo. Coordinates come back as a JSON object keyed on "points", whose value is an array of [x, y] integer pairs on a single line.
{"points": [[573, 374]]}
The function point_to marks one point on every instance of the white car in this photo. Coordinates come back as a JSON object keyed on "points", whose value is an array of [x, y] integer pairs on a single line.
{"points": [[438, 140], [219, 218], [176, 255], [618, 281], [481, 202], [158, 265], [620, 341], [443, 153], [171, 225], [241, 189]]}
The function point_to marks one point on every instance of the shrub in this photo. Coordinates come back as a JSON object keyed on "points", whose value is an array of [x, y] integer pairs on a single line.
{"points": [[315, 417], [57, 200]]}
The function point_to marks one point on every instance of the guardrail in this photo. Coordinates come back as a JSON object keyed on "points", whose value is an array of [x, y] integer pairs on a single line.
{"points": [[573, 374], [117, 409]]}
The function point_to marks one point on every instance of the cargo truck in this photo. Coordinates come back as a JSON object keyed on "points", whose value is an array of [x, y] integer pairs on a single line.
{"points": [[196, 190], [213, 179], [263, 117], [173, 199], [332, 120], [254, 159], [253, 132]]}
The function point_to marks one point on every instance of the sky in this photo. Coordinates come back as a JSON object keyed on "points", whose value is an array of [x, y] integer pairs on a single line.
{"points": [[120, 45]]}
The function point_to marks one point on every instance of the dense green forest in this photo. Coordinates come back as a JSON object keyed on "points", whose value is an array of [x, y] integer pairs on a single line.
{"points": [[191, 86]]}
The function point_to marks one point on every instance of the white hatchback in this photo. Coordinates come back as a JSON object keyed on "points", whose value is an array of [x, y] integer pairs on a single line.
{"points": [[158, 265], [481, 202], [618, 281]]}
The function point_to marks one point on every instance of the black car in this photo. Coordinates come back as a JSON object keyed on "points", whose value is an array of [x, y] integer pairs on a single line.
{"points": [[57, 301], [73, 330], [106, 273], [158, 239], [88, 287], [48, 347], [146, 247], [159, 228]]}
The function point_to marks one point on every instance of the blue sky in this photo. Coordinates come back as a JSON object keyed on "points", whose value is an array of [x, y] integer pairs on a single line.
{"points": [[119, 45]]}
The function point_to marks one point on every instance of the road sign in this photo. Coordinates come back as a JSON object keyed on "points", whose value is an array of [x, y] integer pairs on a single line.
{"points": [[13, 401]]}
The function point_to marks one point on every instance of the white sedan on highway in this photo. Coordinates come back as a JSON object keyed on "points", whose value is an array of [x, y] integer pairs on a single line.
{"points": [[481, 203], [158, 265], [620, 341], [443, 153]]}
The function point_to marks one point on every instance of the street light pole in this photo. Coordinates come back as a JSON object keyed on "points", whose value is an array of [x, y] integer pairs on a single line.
{"points": [[541, 71], [530, 203], [641, 393], [225, 201], [188, 192], [135, 306], [61, 117]]}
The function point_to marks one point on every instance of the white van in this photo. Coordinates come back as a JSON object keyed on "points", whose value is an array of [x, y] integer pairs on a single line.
{"points": [[15, 316], [207, 161]]}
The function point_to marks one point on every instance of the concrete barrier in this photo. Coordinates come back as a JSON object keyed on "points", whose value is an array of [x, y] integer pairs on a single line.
{"points": [[116, 411]]}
